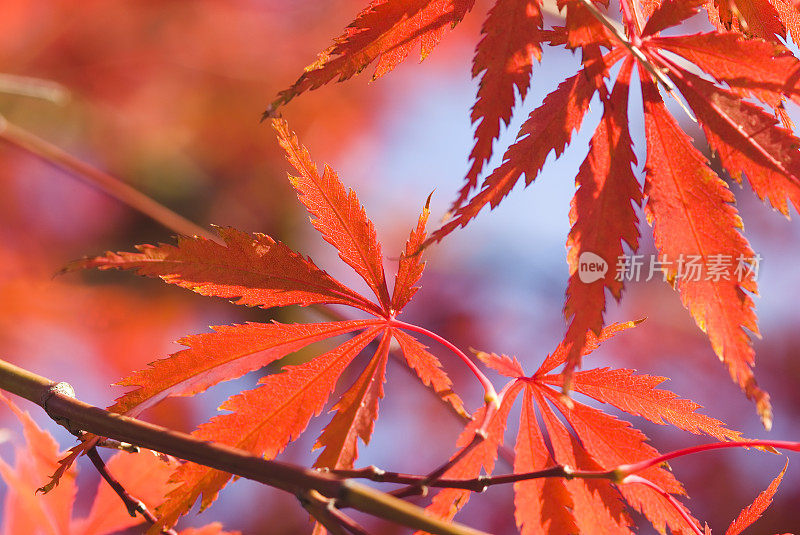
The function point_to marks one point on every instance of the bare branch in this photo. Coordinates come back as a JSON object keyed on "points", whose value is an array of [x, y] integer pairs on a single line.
{"points": [[131, 504]]}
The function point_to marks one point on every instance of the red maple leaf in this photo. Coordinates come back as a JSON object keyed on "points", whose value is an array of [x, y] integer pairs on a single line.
{"points": [[548, 128], [602, 214], [255, 270], [757, 18], [764, 19], [512, 38], [753, 512], [688, 205], [597, 441], [386, 31]]}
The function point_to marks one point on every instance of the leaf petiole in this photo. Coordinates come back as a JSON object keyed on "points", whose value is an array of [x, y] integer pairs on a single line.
{"points": [[490, 394]]}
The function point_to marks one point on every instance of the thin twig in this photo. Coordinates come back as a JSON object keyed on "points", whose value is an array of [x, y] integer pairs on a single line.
{"points": [[476, 484], [633, 49], [768, 445], [318, 507], [478, 437], [131, 504], [55, 156], [349, 524], [419, 487]]}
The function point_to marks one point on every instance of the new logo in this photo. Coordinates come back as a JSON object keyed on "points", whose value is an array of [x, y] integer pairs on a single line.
{"points": [[591, 267]]}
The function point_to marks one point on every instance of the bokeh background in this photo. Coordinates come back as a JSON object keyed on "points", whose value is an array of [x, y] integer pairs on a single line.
{"points": [[167, 95]]}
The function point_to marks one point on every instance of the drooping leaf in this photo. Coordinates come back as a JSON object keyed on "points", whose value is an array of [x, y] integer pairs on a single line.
{"points": [[541, 506], [511, 40], [753, 512], [386, 31], [603, 218], [689, 208], [548, 128], [748, 141]]}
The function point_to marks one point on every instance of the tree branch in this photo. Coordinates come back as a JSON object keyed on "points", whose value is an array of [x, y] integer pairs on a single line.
{"points": [[132, 504], [283, 476], [55, 156], [476, 484], [326, 513]]}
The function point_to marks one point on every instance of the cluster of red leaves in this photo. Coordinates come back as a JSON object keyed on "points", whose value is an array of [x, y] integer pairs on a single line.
{"points": [[255, 270], [145, 476], [687, 203]]}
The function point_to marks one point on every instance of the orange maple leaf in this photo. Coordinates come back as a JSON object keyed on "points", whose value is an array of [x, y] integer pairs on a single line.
{"points": [[597, 441], [753, 512], [143, 475], [386, 31], [255, 270]]}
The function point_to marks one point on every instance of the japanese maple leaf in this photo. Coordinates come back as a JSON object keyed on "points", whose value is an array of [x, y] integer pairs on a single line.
{"points": [[688, 205], [143, 475], [255, 270], [764, 19], [585, 439], [753, 512], [386, 31]]}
